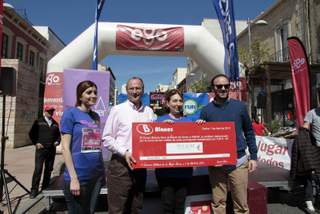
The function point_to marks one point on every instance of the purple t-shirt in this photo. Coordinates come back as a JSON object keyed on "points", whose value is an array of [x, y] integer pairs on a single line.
{"points": [[85, 143]]}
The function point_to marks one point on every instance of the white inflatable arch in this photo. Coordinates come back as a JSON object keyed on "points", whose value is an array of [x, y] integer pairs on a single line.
{"points": [[142, 39]]}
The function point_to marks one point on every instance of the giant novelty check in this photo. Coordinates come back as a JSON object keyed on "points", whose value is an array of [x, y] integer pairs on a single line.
{"points": [[185, 144]]}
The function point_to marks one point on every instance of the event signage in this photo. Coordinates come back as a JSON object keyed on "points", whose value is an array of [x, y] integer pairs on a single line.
{"points": [[275, 151], [300, 78], [166, 145], [149, 39], [101, 79], [225, 13], [193, 104], [54, 92]]}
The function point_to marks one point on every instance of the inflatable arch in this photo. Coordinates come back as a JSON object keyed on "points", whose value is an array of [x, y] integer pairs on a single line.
{"points": [[132, 39], [142, 39]]}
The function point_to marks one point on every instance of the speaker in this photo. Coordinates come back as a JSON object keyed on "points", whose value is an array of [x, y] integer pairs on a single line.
{"points": [[8, 81]]}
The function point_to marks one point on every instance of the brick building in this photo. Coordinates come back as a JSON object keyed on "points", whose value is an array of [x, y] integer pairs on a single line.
{"points": [[26, 50]]}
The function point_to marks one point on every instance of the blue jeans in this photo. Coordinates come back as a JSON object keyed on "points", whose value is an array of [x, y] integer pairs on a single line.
{"points": [[85, 203]]}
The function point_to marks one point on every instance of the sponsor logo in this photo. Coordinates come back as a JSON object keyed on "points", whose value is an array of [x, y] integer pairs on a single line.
{"points": [[190, 107], [100, 107], [148, 35], [160, 129], [297, 63], [146, 38], [53, 79], [144, 129]]}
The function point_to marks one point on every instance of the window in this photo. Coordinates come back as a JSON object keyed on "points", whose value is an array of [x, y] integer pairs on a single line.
{"points": [[31, 58], [19, 53], [282, 33], [5, 46]]}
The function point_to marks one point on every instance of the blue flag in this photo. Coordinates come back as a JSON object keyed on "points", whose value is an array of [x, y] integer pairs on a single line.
{"points": [[100, 4], [225, 13]]}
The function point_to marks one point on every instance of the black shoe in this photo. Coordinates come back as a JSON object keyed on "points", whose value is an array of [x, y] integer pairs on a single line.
{"points": [[33, 194]]}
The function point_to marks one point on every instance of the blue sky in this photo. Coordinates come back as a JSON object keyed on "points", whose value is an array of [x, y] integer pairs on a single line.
{"points": [[69, 18]]}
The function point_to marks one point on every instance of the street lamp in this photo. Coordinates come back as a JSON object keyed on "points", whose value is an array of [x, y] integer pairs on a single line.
{"points": [[249, 23]]}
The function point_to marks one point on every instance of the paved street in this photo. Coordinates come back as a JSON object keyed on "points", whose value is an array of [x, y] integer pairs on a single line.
{"points": [[20, 162]]}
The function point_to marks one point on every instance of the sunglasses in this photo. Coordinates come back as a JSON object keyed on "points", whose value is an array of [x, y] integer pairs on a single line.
{"points": [[225, 86]]}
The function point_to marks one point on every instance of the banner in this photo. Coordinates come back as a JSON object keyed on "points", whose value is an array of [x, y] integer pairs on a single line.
{"points": [[164, 145], [193, 104], [300, 78], [275, 151], [100, 4], [149, 39], [101, 79], [53, 94], [225, 13]]}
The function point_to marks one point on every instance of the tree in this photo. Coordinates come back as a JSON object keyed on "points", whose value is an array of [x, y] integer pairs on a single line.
{"points": [[259, 51], [200, 86]]}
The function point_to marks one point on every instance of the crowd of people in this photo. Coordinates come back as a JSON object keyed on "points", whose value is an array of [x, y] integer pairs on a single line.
{"points": [[82, 139]]}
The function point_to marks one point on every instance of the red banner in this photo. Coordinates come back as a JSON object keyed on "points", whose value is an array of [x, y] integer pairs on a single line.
{"points": [[149, 39], [164, 145], [53, 94], [300, 78]]}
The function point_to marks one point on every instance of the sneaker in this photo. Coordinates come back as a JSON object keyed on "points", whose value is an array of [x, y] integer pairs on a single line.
{"points": [[310, 206]]}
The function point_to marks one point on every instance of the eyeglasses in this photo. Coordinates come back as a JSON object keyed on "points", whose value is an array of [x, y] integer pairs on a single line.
{"points": [[225, 86]]}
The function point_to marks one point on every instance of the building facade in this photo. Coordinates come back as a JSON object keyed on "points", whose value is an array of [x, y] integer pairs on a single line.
{"points": [[26, 51], [178, 75], [112, 84], [271, 74]]}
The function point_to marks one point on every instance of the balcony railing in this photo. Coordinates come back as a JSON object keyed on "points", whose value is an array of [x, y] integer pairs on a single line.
{"points": [[280, 56]]}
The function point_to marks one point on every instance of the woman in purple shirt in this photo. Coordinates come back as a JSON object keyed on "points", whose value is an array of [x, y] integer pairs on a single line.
{"points": [[81, 149]]}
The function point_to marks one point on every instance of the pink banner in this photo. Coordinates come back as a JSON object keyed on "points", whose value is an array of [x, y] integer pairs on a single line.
{"points": [[300, 78], [149, 39], [53, 94]]}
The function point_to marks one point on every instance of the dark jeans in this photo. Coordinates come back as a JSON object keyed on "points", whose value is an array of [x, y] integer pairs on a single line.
{"points": [[43, 156], [306, 181], [173, 194], [125, 187], [85, 203]]}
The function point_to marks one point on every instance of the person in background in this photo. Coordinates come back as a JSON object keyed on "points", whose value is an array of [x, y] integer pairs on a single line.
{"points": [[223, 109], [81, 148], [45, 135], [173, 182], [259, 127], [311, 123], [125, 185]]}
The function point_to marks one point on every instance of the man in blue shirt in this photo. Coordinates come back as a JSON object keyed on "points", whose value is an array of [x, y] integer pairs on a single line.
{"points": [[223, 109]]}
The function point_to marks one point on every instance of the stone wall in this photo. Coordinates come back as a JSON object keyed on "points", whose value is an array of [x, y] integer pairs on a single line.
{"points": [[22, 109]]}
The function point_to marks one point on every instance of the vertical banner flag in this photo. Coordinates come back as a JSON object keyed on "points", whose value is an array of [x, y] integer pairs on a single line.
{"points": [[225, 13], [300, 78], [100, 4]]}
